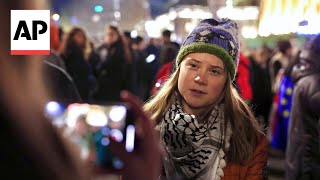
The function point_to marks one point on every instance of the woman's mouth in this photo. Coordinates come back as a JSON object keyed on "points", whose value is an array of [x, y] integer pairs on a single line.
{"points": [[197, 92]]}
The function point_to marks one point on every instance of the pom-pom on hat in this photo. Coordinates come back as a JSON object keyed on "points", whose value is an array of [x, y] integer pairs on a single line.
{"points": [[214, 36]]}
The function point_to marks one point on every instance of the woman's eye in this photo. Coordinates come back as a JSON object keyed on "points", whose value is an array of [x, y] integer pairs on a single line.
{"points": [[192, 66], [215, 72]]}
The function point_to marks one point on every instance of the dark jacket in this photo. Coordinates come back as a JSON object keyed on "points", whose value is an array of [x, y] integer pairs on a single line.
{"points": [[60, 84], [78, 69], [303, 149], [261, 89], [113, 74]]}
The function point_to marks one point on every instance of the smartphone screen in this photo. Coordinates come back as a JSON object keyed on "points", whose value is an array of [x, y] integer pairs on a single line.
{"points": [[91, 126]]}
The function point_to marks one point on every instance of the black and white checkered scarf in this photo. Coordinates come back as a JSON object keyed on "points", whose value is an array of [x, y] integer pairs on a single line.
{"points": [[191, 147]]}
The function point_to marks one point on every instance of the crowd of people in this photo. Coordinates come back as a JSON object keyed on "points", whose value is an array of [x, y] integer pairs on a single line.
{"points": [[211, 110]]}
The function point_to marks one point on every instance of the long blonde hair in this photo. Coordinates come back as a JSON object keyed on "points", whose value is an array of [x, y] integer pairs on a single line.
{"points": [[245, 128]]}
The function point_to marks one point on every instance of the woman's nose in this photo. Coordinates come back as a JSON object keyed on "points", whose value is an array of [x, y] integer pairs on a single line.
{"points": [[200, 79]]}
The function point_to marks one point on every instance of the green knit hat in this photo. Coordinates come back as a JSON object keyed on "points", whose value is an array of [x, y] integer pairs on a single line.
{"points": [[214, 36]]}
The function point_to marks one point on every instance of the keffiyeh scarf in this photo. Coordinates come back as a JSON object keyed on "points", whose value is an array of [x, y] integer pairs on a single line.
{"points": [[192, 148]]}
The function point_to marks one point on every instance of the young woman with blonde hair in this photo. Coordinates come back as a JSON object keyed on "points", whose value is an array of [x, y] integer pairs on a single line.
{"points": [[207, 130]]}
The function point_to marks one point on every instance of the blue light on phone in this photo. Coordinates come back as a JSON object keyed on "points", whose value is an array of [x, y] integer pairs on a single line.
{"points": [[105, 141], [117, 134], [105, 131], [130, 138], [117, 163]]}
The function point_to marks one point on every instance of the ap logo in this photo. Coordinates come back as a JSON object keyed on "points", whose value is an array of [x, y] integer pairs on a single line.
{"points": [[30, 32]]}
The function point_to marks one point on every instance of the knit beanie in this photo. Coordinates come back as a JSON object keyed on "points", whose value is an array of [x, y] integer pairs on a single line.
{"points": [[214, 36]]}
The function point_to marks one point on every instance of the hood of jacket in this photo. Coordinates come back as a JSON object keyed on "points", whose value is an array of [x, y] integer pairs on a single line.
{"points": [[309, 60]]}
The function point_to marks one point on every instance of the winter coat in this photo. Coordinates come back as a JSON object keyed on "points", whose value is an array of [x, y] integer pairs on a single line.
{"points": [[113, 74], [254, 169], [243, 78], [303, 149], [78, 69], [60, 84], [261, 89]]}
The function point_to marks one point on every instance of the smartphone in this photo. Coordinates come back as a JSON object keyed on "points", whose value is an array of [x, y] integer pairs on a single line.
{"points": [[90, 127]]}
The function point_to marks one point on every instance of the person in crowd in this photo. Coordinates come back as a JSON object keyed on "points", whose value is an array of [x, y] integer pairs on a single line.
{"points": [[303, 149], [243, 78], [166, 41], [152, 51], [74, 54], [168, 54], [32, 147], [207, 130], [142, 69], [279, 61], [165, 38], [61, 85], [281, 108], [260, 83], [114, 68]]}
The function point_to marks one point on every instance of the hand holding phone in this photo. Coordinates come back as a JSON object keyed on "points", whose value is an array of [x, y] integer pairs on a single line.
{"points": [[137, 160], [92, 126], [144, 162]]}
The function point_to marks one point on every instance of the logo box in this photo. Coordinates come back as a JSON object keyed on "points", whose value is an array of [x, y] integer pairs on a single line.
{"points": [[30, 32]]}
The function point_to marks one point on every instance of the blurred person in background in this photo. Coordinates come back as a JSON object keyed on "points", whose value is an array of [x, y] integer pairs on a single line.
{"points": [[243, 79], [166, 41], [32, 147], [281, 107], [168, 55], [142, 69], [114, 69], [260, 83], [207, 130], [303, 149], [74, 52], [279, 61]]}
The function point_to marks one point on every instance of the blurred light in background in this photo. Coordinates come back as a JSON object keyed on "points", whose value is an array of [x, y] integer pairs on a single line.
{"points": [[195, 13], [152, 29], [95, 18], [55, 17], [134, 34], [283, 17], [74, 20], [150, 58], [172, 15], [98, 8], [239, 13], [117, 15], [249, 32], [173, 37], [189, 26], [229, 4]]}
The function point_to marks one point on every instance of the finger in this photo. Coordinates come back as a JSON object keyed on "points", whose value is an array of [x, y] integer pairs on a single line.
{"points": [[98, 170], [136, 106], [149, 142], [119, 150]]}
